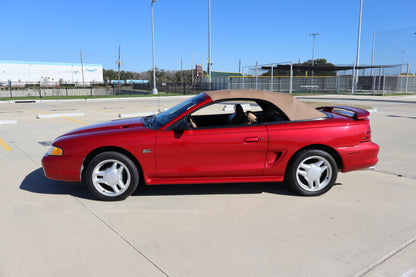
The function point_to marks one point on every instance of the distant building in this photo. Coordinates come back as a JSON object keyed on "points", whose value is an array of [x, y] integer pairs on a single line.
{"points": [[46, 72]]}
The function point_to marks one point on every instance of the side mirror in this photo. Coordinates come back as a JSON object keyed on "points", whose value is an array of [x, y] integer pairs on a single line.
{"points": [[180, 127]]}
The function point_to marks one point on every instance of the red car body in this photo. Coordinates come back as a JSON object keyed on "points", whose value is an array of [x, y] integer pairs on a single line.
{"points": [[247, 153]]}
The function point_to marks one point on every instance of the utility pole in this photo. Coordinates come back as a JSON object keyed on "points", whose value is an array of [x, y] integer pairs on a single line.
{"points": [[119, 62], [82, 67]]}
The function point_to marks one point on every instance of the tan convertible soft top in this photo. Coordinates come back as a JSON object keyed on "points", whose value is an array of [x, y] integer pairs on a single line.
{"points": [[292, 107]]}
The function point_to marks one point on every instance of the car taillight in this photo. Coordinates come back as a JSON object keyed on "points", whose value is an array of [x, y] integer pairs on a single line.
{"points": [[367, 135]]}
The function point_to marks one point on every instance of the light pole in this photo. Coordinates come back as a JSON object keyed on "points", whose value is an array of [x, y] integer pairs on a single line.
{"points": [[401, 61], [153, 47], [357, 61], [209, 43], [313, 48], [313, 56]]}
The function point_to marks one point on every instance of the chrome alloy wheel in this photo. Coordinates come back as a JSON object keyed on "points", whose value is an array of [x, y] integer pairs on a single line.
{"points": [[314, 173], [111, 177]]}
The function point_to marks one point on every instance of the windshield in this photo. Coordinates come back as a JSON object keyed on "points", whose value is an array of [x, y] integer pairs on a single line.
{"points": [[168, 115]]}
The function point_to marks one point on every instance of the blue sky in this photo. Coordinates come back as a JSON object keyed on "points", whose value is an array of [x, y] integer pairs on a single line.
{"points": [[265, 31]]}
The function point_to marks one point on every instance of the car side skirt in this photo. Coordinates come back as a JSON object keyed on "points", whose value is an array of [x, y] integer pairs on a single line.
{"points": [[246, 179]]}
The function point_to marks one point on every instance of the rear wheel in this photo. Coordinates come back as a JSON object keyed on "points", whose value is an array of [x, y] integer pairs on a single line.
{"points": [[111, 176], [312, 172]]}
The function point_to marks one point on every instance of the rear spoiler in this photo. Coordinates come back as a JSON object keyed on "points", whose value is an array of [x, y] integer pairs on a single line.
{"points": [[355, 113]]}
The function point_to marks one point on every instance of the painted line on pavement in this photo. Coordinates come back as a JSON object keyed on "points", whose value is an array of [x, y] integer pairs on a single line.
{"points": [[128, 115], [55, 115], [75, 120], [5, 146], [8, 122]]}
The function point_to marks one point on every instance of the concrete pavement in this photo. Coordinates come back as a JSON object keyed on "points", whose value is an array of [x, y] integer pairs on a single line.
{"points": [[364, 226]]}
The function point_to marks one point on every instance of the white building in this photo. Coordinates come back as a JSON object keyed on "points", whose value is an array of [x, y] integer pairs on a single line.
{"points": [[45, 72]]}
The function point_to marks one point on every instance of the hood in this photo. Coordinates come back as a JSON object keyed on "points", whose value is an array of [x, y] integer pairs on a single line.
{"points": [[106, 126]]}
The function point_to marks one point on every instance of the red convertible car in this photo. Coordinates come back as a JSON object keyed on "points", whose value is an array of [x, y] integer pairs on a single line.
{"points": [[223, 136]]}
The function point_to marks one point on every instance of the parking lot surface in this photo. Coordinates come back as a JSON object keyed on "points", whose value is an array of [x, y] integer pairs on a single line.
{"points": [[364, 226]]}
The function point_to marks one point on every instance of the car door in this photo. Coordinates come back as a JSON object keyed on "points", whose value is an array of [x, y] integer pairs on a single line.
{"points": [[212, 152]]}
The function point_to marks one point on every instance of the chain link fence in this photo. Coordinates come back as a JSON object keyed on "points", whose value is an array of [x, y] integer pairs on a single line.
{"points": [[379, 80], [388, 79]]}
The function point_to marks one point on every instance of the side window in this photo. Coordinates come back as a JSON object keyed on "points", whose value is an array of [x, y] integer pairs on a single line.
{"points": [[227, 113]]}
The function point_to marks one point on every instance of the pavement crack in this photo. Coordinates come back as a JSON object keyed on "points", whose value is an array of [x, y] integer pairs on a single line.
{"points": [[386, 258], [122, 237]]}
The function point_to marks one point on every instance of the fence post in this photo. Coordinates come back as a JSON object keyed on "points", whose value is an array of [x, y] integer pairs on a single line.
{"points": [[11, 92], [353, 79], [338, 84], [271, 79], [379, 79], [257, 75], [40, 91], [407, 76], [384, 81], [243, 78]]}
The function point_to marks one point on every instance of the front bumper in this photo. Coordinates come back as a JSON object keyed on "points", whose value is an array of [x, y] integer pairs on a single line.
{"points": [[63, 168]]}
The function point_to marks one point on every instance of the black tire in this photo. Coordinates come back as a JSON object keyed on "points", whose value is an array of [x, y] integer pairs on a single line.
{"points": [[312, 172], [111, 176]]}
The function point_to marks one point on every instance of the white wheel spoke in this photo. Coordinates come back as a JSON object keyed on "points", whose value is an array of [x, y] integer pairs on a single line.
{"points": [[121, 183], [303, 173], [304, 166], [115, 188], [120, 171], [99, 173], [310, 183], [319, 163]]}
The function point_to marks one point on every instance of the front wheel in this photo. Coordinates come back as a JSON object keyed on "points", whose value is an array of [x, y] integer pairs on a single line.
{"points": [[312, 172], [111, 176]]}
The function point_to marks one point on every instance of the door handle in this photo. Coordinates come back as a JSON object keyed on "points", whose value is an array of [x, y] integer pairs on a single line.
{"points": [[251, 139]]}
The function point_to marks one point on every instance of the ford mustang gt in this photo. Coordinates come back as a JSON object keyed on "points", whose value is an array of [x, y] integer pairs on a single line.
{"points": [[227, 136]]}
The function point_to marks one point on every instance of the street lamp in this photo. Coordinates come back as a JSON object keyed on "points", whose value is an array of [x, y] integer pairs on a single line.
{"points": [[153, 47], [357, 62], [209, 43], [401, 61], [313, 49], [313, 56]]}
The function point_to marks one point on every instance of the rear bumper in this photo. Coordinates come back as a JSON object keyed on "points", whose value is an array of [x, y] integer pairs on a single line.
{"points": [[63, 168], [362, 156]]}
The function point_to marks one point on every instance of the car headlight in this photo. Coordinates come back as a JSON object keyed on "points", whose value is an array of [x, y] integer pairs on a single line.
{"points": [[55, 151]]}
